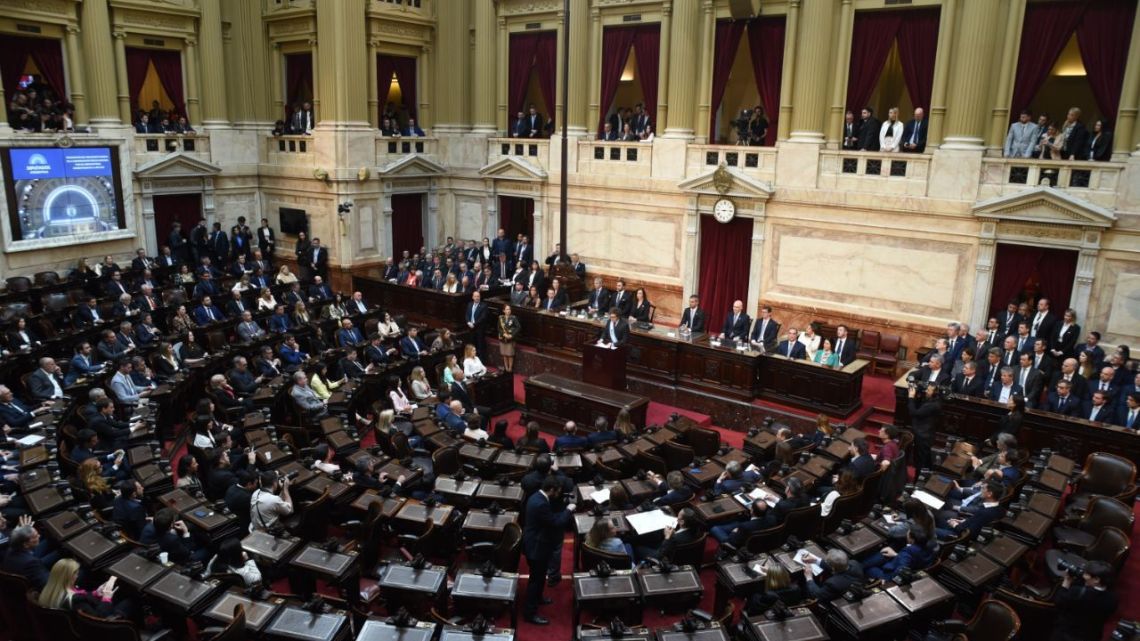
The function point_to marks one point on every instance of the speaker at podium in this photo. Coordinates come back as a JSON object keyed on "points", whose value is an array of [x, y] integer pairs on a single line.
{"points": [[604, 366]]}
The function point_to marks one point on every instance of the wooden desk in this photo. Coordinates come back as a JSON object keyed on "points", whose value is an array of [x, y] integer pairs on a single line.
{"points": [[417, 303], [812, 386], [552, 400], [495, 390]]}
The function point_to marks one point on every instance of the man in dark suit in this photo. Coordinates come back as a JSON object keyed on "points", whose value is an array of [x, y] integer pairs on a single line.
{"points": [[1063, 402], [1009, 319], [303, 120], [1023, 340], [266, 239], [46, 383], [242, 380], [868, 131], [219, 244], [571, 439], [615, 331], [608, 133], [1004, 387], [319, 290], [502, 245], [914, 133], [969, 383], [318, 259], [843, 573], [791, 347], [411, 346], [686, 531], [1099, 409], [599, 299], [141, 262], [543, 532], [850, 131], [113, 434], [1030, 380], [1076, 136], [348, 335], [736, 323], [21, 558], [207, 312], [1043, 323], [534, 123], [1078, 386], [128, 511], [622, 300], [524, 253], [844, 346], [1041, 358], [862, 464], [476, 318], [766, 331], [519, 129], [693, 317], [1082, 611], [1064, 340], [951, 524]]}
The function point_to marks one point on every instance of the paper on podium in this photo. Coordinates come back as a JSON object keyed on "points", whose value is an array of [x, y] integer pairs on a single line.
{"points": [[646, 522], [600, 496], [929, 499], [816, 568]]}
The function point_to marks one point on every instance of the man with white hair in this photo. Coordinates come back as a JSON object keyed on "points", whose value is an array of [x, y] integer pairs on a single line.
{"points": [[15, 414], [305, 397], [845, 573], [46, 383]]}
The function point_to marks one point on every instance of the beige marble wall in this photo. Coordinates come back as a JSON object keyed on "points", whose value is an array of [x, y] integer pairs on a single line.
{"points": [[1115, 301]]}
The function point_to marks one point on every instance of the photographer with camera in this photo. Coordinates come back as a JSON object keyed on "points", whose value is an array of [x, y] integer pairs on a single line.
{"points": [[266, 507], [743, 128], [925, 417], [1082, 610]]}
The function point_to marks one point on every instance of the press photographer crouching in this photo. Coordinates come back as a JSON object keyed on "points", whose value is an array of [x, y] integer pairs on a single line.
{"points": [[1084, 602]]}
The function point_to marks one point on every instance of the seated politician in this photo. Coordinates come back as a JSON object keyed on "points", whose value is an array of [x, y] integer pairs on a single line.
{"points": [[792, 347]]}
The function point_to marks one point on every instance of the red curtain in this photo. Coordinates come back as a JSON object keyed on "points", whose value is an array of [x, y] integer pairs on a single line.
{"points": [[1045, 272], [47, 54], [1104, 34], [516, 216], [616, 43], [405, 70], [182, 208], [1047, 28], [726, 255], [918, 44], [298, 80], [647, 46], [728, 34], [871, 42], [529, 52], [766, 42], [168, 67], [546, 63], [407, 223]]}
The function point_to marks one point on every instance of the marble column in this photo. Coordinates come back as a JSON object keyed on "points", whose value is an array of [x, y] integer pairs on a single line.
{"points": [[704, 85], [690, 251], [423, 85], [452, 86], [999, 122], [559, 110], [374, 89], [124, 91], [276, 66], [1126, 129], [99, 56], [937, 115], [788, 69], [661, 118], [579, 67], [503, 118], [812, 58], [593, 117], [316, 80], [970, 75], [839, 74], [341, 28], [983, 275], [484, 84], [685, 37], [253, 67], [75, 78], [193, 81], [756, 262], [213, 93], [1086, 272]]}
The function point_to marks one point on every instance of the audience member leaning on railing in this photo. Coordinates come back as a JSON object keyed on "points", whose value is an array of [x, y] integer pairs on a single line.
{"points": [[1048, 140]]}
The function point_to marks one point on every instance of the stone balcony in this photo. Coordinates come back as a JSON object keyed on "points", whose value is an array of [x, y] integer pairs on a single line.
{"points": [[1096, 182]]}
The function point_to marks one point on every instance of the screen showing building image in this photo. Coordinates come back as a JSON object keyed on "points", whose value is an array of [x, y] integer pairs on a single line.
{"points": [[55, 193]]}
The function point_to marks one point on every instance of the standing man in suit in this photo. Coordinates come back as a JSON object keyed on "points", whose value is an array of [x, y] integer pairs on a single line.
{"points": [[1023, 341], [1022, 138], [1042, 360], [616, 331], [1076, 136], [1030, 380], [1043, 323], [544, 529], [302, 121], [850, 131], [736, 324], [318, 259], [1064, 339], [844, 346], [914, 133], [534, 122], [519, 128], [599, 299], [791, 347], [1009, 319], [693, 317], [502, 245], [266, 240], [179, 250], [476, 317], [524, 253], [766, 330], [868, 131], [219, 244]]}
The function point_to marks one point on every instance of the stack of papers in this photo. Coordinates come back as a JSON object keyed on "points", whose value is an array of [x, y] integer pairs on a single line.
{"points": [[929, 499], [600, 496], [816, 568], [646, 522], [30, 440]]}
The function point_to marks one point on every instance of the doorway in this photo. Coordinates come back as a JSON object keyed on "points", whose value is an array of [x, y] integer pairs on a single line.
{"points": [[407, 224], [1024, 273], [171, 208], [516, 216]]}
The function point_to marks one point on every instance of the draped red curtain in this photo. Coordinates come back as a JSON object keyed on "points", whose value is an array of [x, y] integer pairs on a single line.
{"points": [[647, 46], [405, 70], [871, 41], [726, 254], [298, 80], [546, 63], [168, 66], [918, 44], [47, 54], [1104, 34], [407, 223], [528, 52], [1047, 28], [616, 43], [138, 60], [728, 34], [1047, 272], [766, 43]]}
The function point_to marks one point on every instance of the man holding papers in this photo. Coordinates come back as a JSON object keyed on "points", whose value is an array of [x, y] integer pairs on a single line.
{"points": [[763, 517], [615, 332], [687, 530]]}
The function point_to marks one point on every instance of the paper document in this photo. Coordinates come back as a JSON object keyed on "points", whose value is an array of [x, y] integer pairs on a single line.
{"points": [[929, 499], [646, 522], [30, 440], [600, 496], [36, 425], [816, 568]]}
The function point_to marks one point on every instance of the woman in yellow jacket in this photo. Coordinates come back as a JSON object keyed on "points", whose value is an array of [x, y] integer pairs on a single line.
{"points": [[318, 380]]}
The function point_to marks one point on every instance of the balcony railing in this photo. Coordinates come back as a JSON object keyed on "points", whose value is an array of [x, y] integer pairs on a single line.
{"points": [[755, 162], [880, 173], [290, 151], [535, 151], [1096, 182], [631, 158], [159, 144], [389, 148]]}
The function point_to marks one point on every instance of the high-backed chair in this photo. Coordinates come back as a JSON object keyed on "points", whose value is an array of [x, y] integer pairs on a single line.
{"points": [[868, 345], [766, 540], [1104, 475], [235, 631], [676, 456], [50, 624], [592, 556], [651, 462], [93, 627], [45, 278], [445, 460], [704, 441], [1101, 512], [844, 507], [888, 355], [14, 606], [1036, 614], [992, 621], [19, 284], [1111, 546], [803, 522], [692, 553]]}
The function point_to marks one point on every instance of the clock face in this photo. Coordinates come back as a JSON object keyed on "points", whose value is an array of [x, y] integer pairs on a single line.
{"points": [[724, 210]]}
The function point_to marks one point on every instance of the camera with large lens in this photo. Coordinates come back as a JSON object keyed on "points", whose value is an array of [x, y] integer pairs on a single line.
{"points": [[741, 125], [289, 476], [1067, 566]]}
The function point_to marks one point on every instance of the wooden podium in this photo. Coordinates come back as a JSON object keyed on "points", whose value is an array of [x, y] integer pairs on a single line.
{"points": [[603, 366]]}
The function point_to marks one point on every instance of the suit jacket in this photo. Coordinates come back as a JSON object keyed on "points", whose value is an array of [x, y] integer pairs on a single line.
{"points": [[80, 366], [15, 414], [974, 388], [797, 350], [620, 331], [544, 527], [266, 240], [346, 337], [1071, 407], [520, 129], [524, 254], [1077, 142], [243, 381], [571, 442], [1066, 341], [202, 316], [1100, 147], [1034, 384], [943, 377], [26, 564], [980, 519], [249, 332], [862, 466], [919, 137], [130, 515], [835, 585], [697, 318], [736, 330], [869, 134], [40, 387], [1046, 364], [846, 352], [679, 538], [1105, 413], [623, 301], [1009, 322], [599, 300], [1045, 329], [771, 333], [995, 391], [113, 434], [317, 258]]}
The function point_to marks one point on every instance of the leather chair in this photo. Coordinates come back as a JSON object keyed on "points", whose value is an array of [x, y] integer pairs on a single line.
{"points": [[12, 311], [19, 285], [1104, 475], [692, 553], [311, 523], [1037, 614], [676, 456], [607, 472], [445, 461], [14, 606], [504, 554], [704, 441], [766, 540], [235, 631], [803, 522], [868, 345], [844, 507], [894, 480], [1102, 512], [592, 556], [888, 355], [652, 462], [50, 624], [871, 488], [1110, 546], [92, 627], [45, 278], [992, 621]]}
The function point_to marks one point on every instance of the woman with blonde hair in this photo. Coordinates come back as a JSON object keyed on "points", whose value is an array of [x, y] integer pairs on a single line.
{"points": [[509, 328], [450, 367], [472, 366], [285, 277], [60, 592], [822, 430], [266, 302], [417, 380], [90, 475], [623, 424]]}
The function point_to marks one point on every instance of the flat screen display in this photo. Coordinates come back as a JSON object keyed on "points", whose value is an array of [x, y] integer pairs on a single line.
{"points": [[56, 193], [293, 221]]}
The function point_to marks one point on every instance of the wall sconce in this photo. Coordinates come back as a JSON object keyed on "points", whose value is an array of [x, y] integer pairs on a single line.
{"points": [[321, 175], [364, 174]]}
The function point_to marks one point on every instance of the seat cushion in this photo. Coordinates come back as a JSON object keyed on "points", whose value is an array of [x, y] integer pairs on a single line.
{"points": [[1071, 538]]}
